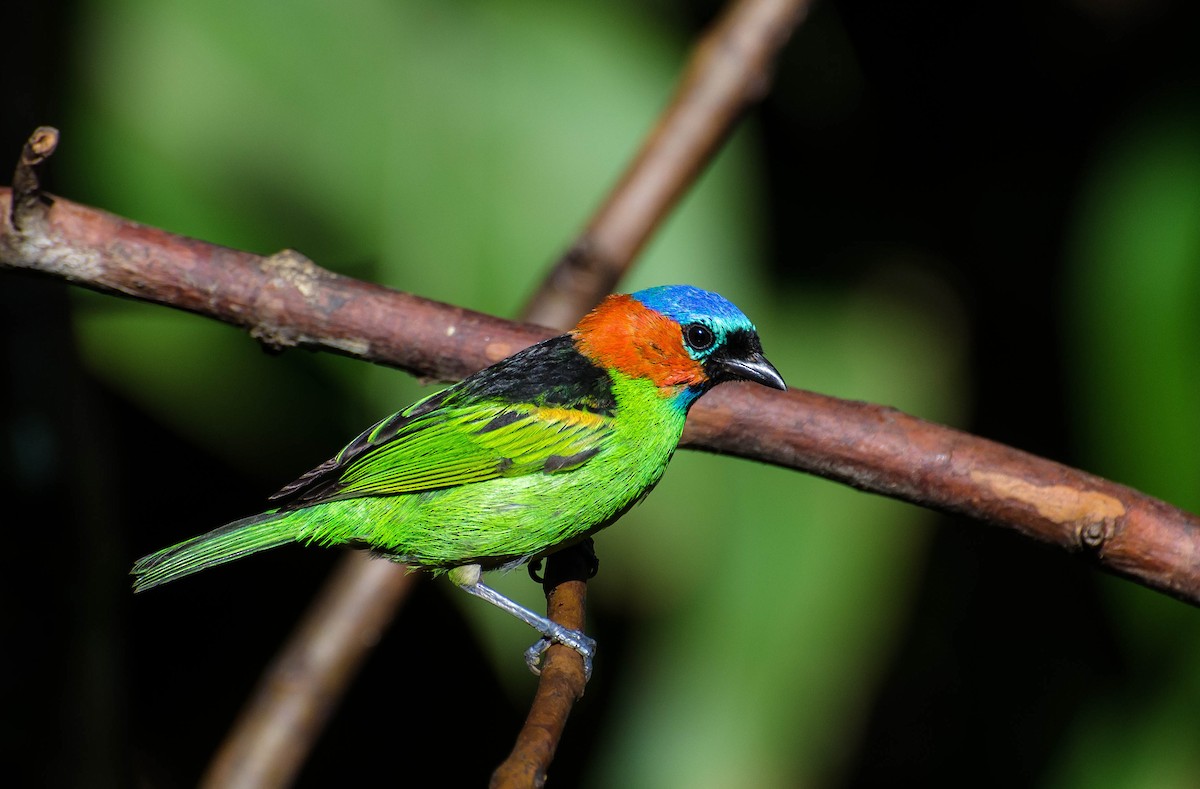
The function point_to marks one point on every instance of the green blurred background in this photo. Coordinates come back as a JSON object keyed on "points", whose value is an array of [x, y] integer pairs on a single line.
{"points": [[986, 216]]}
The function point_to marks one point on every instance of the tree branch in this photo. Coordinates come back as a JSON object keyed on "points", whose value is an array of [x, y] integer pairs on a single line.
{"points": [[882, 450], [870, 447], [285, 300], [730, 68], [562, 681], [303, 685]]}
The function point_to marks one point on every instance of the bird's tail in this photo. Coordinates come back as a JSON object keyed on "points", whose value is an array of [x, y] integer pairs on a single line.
{"points": [[229, 542]]}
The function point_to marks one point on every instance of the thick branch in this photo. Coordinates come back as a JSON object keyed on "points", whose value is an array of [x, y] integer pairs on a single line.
{"points": [[870, 447], [883, 450], [729, 68], [285, 300]]}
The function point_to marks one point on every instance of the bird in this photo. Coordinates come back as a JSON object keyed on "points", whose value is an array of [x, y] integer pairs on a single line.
{"points": [[537, 452]]}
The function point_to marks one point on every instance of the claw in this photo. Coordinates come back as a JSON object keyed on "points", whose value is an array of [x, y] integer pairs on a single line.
{"points": [[577, 641], [467, 578], [533, 655]]}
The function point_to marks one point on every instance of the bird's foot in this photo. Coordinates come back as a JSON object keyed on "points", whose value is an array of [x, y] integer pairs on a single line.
{"points": [[467, 578], [574, 639]]}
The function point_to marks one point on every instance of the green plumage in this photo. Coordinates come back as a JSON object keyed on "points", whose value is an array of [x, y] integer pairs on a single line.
{"points": [[532, 454], [468, 481], [231, 541]]}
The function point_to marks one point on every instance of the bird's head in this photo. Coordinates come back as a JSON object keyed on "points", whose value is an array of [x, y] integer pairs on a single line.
{"points": [[683, 339]]}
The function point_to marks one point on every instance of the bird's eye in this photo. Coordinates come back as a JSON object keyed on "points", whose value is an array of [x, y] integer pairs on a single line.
{"points": [[698, 337]]}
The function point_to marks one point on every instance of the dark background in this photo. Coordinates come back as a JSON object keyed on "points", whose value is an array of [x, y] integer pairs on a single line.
{"points": [[890, 125]]}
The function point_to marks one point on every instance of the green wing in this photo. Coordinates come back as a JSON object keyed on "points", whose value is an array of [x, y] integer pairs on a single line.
{"points": [[435, 445]]}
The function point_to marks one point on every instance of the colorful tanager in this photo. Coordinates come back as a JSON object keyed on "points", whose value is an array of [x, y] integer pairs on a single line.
{"points": [[530, 455]]}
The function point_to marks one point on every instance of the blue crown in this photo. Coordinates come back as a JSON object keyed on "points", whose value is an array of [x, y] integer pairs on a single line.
{"points": [[687, 304]]}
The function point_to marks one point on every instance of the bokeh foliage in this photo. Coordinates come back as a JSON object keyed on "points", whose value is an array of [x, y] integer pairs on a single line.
{"points": [[747, 616]]}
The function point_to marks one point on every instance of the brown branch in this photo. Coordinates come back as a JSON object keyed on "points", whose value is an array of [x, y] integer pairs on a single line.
{"points": [[562, 680], [870, 447], [26, 186], [302, 686], [285, 300], [886, 451], [729, 69]]}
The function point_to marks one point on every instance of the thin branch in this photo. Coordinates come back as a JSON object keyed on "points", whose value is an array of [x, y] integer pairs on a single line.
{"points": [[870, 447], [303, 685], [562, 681], [26, 207], [729, 69], [285, 300]]}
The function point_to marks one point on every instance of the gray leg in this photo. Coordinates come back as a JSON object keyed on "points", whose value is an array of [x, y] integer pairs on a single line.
{"points": [[467, 578]]}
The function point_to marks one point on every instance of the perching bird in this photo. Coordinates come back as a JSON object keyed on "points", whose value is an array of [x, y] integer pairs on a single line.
{"points": [[532, 454]]}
